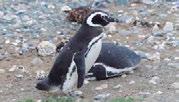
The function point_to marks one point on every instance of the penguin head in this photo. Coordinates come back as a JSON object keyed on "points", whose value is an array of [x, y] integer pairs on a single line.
{"points": [[99, 18]]}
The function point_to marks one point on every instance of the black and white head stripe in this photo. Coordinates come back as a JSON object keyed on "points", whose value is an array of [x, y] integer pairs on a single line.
{"points": [[99, 18], [91, 17]]}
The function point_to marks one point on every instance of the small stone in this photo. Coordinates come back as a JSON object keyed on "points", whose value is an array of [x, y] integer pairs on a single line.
{"points": [[145, 94], [65, 8], [21, 69], [155, 30], [109, 36], [124, 76], [154, 80], [19, 76], [168, 27], [177, 75], [39, 101], [1, 91], [7, 41], [2, 71], [86, 82], [155, 56], [159, 92], [22, 89], [13, 68], [36, 61], [117, 86], [131, 72], [2, 56], [132, 82], [176, 65], [40, 75], [1, 14], [101, 87], [176, 58], [176, 26], [46, 48], [102, 96], [76, 93], [175, 85], [141, 54], [50, 6]]}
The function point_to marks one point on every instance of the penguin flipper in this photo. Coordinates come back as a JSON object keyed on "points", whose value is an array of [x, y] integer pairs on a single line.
{"points": [[79, 60]]}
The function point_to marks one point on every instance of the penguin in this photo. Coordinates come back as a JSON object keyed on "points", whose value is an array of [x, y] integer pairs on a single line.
{"points": [[113, 60], [78, 55]]}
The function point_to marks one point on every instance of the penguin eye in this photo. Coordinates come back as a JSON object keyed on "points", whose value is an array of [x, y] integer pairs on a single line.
{"points": [[104, 18]]}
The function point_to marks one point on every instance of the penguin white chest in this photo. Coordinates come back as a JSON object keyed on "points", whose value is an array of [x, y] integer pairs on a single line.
{"points": [[93, 51]]}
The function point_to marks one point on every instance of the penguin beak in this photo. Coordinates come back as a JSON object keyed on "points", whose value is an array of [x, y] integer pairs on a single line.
{"points": [[111, 19]]}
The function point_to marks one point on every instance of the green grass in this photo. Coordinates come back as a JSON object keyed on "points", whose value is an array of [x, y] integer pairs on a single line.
{"points": [[52, 99]]}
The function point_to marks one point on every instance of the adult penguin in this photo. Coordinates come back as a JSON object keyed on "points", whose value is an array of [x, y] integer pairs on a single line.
{"points": [[78, 55]]}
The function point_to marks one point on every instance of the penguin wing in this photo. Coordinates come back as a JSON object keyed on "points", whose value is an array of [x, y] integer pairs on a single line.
{"points": [[79, 60], [118, 56]]}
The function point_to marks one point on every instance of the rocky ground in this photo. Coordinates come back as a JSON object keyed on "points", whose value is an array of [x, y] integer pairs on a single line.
{"points": [[28, 25]]}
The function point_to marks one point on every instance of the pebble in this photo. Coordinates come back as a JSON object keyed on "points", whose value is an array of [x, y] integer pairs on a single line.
{"points": [[176, 65], [145, 94], [168, 27], [117, 86], [19, 76], [1, 91], [39, 101], [36, 61], [13, 68], [156, 31], [102, 96], [176, 26], [1, 14], [2, 71], [100, 3], [175, 85], [7, 41], [159, 92], [40, 74], [46, 48], [21, 68], [124, 76], [177, 75], [154, 80], [2, 56], [22, 89], [154, 56], [142, 54], [76, 93], [65, 8], [101, 87], [132, 82], [86, 82]]}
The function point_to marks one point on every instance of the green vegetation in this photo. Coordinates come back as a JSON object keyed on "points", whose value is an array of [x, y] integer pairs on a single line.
{"points": [[53, 99]]}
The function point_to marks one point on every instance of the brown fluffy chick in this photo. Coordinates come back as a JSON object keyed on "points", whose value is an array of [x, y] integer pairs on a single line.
{"points": [[78, 14]]}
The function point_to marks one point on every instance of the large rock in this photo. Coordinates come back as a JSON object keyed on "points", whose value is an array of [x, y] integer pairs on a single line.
{"points": [[46, 48]]}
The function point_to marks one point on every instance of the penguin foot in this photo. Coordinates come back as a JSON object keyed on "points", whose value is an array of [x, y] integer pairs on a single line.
{"points": [[43, 85]]}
